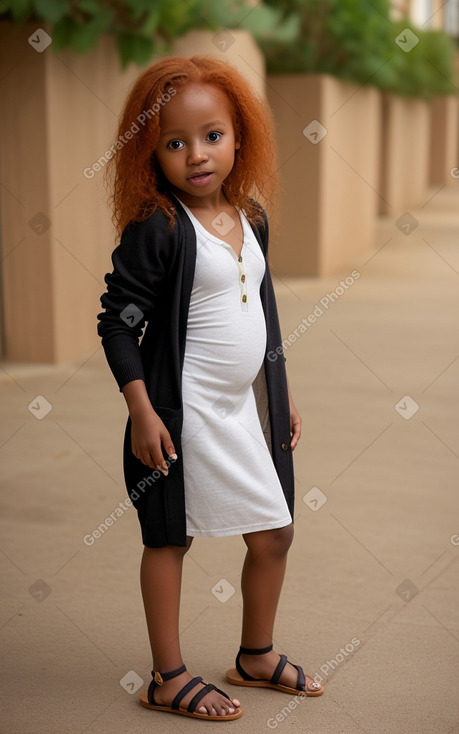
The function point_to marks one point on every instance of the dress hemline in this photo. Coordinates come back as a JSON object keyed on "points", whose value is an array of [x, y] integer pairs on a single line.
{"points": [[195, 533]]}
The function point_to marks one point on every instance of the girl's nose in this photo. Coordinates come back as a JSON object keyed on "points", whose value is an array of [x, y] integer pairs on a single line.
{"points": [[196, 155]]}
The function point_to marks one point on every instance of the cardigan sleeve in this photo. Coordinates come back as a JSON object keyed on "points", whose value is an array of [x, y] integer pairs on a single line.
{"points": [[141, 264]]}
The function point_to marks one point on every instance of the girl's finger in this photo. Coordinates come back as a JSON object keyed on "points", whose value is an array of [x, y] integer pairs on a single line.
{"points": [[169, 447], [146, 457], [163, 467], [156, 461], [148, 460], [296, 434]]}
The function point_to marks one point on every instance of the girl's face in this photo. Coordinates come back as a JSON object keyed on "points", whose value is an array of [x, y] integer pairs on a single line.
{"points": [[197, 143]]}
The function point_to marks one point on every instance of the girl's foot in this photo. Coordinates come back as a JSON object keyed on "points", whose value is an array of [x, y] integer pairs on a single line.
{"points": [[259, 670], [213, 703]]}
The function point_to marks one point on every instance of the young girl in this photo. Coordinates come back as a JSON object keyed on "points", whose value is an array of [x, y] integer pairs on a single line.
{"points": [[212, 425]]}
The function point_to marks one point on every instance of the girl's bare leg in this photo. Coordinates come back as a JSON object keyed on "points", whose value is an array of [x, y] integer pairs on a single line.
{"points": [[261, 584], [161, 580]]}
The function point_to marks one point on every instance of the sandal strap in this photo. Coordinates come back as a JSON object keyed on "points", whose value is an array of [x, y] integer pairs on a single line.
{"points": [[249, 651], [171, 673], [164, 676], [183, 691], [280, 667], [222, 692], [200, 695], [301, 680], [255, 651]]}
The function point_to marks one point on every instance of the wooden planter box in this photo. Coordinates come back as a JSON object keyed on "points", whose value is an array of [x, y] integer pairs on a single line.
{"points": [[405, 156], [330, 184]]}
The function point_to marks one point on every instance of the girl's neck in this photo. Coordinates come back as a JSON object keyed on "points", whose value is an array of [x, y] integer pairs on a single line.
{"points": [[213, 204]]}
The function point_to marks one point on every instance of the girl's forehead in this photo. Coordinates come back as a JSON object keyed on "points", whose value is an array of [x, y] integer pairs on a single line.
{"points": [[197, 99]]}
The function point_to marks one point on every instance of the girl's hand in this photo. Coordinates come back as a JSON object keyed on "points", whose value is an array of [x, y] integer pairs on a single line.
{"points": [[295, 421], [148, 432], [148, 435], [295, 425]]}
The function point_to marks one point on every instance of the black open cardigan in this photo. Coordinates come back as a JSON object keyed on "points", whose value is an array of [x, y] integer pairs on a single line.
{"points": [[151, 283]]}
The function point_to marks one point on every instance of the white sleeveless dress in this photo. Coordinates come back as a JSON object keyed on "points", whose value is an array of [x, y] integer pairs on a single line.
{"points": [[231, 484]]}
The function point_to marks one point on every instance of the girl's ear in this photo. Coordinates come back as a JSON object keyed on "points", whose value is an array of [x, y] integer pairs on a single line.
{"points": [[237, 145]]}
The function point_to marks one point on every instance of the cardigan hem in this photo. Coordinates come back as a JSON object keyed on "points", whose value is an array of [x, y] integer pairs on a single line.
{"points": [[154, 535]]}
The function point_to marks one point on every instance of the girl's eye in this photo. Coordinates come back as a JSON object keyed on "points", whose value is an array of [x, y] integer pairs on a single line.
{"points": [[214, 136], [175, 144]]}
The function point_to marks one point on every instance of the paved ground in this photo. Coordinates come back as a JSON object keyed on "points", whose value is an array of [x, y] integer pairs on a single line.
{"points": [[371, 599]]}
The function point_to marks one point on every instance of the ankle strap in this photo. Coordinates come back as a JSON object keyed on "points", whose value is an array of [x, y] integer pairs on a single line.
{"points": [[254, 651], [249, 651], [159, 678]]}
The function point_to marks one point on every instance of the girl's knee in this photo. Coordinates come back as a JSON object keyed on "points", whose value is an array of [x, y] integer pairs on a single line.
{"points": [[183, 549], [273, 542], [169, 550], [283, 538]]}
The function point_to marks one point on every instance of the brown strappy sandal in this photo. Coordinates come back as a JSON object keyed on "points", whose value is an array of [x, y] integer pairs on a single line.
{"points": [[305, 684], [147, 698]]}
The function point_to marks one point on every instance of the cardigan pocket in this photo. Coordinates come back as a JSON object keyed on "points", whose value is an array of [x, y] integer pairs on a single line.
{"points": [[173, 420]]}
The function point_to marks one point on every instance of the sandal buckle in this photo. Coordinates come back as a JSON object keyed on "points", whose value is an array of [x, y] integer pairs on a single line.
{"points": [[158, 678]]}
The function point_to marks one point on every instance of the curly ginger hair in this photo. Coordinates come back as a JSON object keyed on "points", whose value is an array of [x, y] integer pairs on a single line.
{"points": [[137, 184]]}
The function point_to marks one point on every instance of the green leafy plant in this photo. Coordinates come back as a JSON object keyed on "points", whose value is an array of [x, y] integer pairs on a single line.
{"points": [[353, 40], [349, 39], [141, 27], [427, 69]]}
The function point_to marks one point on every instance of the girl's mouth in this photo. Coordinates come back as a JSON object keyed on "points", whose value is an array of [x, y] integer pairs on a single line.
{"points": [[200, 178]]}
